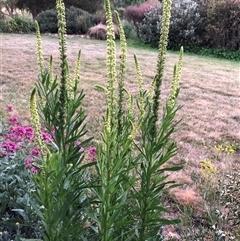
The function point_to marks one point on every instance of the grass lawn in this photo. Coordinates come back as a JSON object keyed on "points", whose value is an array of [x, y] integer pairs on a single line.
{"points": [[209, 96]]}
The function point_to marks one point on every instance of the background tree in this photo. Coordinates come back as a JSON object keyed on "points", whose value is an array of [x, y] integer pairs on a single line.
{"points": [[90, 6], [36, 6], [9, 6]]}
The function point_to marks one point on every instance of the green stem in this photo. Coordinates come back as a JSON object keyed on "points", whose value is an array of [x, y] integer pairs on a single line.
{"points": [[145, 184]]}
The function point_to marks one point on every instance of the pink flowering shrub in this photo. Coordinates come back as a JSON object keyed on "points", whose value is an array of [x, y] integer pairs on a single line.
{"points": [[20, 157], [19, 138], [16, 143], [16, 138]]}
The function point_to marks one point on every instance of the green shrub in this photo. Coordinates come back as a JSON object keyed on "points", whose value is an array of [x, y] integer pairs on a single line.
{"points": [[2, 16], [223, 21], [17, 24], [78, 21], [7, 26], [16, 216], [211, 52], [186, 26], [83, 22], [47, 21], [99, 17], [129, 31], [198, 28], [25, 25], [150, 26]]}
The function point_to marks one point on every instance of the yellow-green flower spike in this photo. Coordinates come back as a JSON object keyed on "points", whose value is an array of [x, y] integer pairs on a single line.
{"points": [[35, 120], [77, 69], [39, 48], [123, 47], [70, 87], [179, 65], [151, 90], [175, 81], [111, 66], [50, 69], [131, 106], [140, 85], [121, 78], [161, 59], [63, 56]]}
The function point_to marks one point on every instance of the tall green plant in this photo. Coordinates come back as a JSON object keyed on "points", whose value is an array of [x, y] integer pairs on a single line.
{"points": [[114, 152], [131, 172], [131, 175], [62, 183]]}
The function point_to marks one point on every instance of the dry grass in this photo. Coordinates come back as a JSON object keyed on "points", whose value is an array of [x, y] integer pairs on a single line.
{"points": [[210, 95], [100, 32]]}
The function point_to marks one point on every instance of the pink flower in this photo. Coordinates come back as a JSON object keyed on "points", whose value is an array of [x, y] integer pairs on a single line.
{"points": [[53, 129], [16, 134], [13, 120], [28, 162], [9, 146], [77, 143], [92, 154], [35, 152], [29, 165], [46, 137], [29, 133], [19, 130], [92, 151], [4, 153], [10, 107], [81, 150], [34, 170]]}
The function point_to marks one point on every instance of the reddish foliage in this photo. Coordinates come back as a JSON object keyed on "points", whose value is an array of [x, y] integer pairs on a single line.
{"points": [[136, 13]]}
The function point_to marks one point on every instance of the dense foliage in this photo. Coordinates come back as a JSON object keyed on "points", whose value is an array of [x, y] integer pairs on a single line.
{"points": [[78, 21], [16, 215], [194, 24], [17, 24], [35, 6]]}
